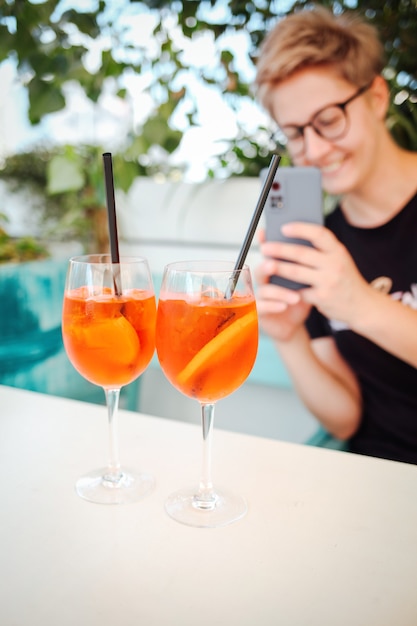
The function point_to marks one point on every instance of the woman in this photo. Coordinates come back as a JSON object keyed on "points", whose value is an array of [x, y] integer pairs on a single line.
{"points": [[350, 340]]}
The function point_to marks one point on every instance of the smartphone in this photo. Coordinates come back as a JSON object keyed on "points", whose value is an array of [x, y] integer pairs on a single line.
{"points": [[295, 196]]}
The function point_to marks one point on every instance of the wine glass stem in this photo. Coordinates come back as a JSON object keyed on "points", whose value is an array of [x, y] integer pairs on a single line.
{"points": [[206, 498], [113, 472]]}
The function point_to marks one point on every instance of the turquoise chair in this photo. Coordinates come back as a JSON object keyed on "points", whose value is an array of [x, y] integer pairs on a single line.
{"points": [[323, 439]]}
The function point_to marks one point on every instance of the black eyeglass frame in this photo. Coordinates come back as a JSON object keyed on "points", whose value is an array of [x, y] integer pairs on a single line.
{"points": [[339, 105]]}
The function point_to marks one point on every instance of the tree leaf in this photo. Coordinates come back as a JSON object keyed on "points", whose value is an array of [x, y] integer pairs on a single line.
{"points": [[44, 97], [64, 174]]}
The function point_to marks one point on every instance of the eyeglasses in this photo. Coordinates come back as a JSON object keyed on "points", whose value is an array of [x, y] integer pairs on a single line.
{"points": [[331, 123]]}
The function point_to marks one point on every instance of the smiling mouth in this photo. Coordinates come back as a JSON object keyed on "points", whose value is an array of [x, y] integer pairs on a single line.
{"points": [[331, 167]]}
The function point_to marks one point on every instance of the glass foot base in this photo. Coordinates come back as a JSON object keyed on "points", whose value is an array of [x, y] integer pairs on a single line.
{"points": [[127, 487], [224, 508]]}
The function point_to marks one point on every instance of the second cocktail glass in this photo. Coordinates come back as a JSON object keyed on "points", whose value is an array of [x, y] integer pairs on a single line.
{"points": [[207, 341]]}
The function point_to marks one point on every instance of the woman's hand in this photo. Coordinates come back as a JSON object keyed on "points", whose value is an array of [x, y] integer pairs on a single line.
{"points": [[336, 286], [281, 311]]}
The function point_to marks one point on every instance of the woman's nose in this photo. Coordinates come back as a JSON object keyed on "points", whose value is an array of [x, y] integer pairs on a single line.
{"points": [[315, 146]]}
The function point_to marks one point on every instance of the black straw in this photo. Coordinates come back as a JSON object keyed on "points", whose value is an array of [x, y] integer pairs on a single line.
{"points": [[273, 166], [111, 215]]}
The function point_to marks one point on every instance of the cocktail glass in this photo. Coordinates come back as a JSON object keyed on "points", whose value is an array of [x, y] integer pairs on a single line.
{"points": [[207, 341], [108, 327]]}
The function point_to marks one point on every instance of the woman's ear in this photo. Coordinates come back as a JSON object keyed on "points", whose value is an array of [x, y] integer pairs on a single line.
{"points": [[379, 96]]}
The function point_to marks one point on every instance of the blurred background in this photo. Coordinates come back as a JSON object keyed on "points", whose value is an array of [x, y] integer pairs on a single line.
{"points": [[167, 87]]}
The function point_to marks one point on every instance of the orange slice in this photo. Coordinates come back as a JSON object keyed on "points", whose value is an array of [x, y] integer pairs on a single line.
{"points": [[115, 336], [200, 360]]}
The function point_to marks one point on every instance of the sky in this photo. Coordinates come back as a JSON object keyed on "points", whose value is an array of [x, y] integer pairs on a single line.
{"points": [[112, 118]]}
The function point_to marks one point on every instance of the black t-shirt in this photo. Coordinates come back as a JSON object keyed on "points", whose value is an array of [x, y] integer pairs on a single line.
{"points": [[387, 257]]}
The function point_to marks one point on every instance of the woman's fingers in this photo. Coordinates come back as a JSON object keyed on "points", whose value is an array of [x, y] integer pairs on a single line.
{"points": [[273, 298]]}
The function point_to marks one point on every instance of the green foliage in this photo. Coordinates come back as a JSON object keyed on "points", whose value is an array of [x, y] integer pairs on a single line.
{"points": [[18, 250], [50, 47], [69, 180]]}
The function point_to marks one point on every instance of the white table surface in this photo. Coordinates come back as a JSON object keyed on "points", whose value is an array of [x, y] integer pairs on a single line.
{"points": [[330, 538]]}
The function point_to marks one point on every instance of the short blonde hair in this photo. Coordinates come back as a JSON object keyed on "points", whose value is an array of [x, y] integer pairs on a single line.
{"points": [[317, 37]]}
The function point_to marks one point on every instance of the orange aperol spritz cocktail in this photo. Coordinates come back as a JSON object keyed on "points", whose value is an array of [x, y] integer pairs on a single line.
{"points": [[207, 347], [109, 339], [207, 341], [108, 328]]}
